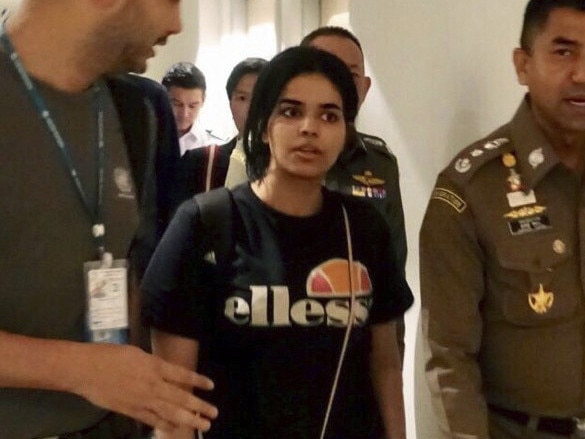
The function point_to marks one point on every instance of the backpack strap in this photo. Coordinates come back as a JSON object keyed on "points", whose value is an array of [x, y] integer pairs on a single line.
{"points": [[215, 208], [211, 152]]}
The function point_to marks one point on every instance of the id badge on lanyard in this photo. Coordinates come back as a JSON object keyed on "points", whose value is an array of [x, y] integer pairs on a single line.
{"points": [[106, 292]]}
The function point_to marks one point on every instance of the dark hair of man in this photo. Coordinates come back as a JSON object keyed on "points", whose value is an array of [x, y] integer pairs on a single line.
{"points": [[243, 68], [184, 75], [272, 80], [330, 31], [536, 16]]}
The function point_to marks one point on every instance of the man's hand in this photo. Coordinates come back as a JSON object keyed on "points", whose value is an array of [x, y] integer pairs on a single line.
{"points": [[127, 380]]}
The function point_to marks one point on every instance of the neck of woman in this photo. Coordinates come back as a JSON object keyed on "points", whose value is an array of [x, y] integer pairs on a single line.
{"points": [[290, 195]]}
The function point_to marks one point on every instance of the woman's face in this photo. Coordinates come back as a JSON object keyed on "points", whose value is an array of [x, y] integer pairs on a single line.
{"points": [[306, 131]]}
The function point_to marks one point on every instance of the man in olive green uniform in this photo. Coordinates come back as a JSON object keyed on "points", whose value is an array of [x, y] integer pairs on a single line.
{"points": [[366, 168], [501, 278]]}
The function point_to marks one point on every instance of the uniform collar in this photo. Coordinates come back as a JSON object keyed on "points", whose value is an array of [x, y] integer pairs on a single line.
{"points": [[534, 153], [354, 148]]}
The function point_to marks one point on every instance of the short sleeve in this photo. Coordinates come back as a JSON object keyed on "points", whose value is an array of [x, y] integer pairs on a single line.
{"points": [[374, 242], [175, 281]]}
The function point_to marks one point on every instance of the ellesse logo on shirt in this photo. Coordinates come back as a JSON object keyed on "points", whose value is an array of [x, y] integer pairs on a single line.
{"points": [[331, 279], [327, 302]]}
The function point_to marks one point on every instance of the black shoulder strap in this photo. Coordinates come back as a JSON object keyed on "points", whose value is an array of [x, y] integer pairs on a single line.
{"points": [[216, 215]]}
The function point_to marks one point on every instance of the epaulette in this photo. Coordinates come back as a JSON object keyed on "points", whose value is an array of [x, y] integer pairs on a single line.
{"points": [[375, 143], [464, 166]]}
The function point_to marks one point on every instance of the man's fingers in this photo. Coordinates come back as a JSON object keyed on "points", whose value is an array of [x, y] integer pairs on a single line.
{"points": [[179, 405], [179, 375], [179, 417], [185, 400]]}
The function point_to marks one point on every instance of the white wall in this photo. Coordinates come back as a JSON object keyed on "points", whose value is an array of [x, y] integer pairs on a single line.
{"points": [[443, 77], [9, 5], [181, 47]]}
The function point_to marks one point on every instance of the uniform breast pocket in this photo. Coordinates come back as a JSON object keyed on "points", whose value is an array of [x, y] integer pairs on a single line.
{"points": [[539, 280]]}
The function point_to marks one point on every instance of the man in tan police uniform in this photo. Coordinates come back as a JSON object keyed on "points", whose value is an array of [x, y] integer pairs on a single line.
{"points": [[501, 278]]}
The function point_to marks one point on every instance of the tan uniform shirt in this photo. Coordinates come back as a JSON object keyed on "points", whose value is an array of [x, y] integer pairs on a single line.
{"points": [[502, 283]]}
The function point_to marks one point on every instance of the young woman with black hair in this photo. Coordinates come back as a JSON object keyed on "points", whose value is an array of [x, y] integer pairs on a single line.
{"points": [[295, 324]]}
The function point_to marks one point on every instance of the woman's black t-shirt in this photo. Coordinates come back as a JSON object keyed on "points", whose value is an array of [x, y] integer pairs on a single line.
{"points": [[271, 320]]}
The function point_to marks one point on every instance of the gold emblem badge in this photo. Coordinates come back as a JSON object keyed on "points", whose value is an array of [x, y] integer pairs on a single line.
{"points": [[514, 180], [541, 301], [368, 179], [525, 212], [509, 160]]}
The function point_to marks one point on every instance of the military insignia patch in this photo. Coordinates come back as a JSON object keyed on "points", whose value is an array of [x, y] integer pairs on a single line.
{"points": [[367, 191], [542, 301], [509, 160], [495, 144], [358, 191], [368, 179], [463, 165], [525, 212], [536, 158], [451, 198], [528, 225], [520, 198], [514, 181]]}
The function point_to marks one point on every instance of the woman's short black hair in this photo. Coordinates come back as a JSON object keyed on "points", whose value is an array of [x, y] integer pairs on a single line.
{"points": [[272, 80]]}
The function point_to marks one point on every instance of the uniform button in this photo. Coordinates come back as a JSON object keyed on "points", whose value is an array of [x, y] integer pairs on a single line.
{"points": [[559, 247]]}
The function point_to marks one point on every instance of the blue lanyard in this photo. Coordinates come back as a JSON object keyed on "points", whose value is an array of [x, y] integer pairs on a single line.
{"points": [[95, 213]]}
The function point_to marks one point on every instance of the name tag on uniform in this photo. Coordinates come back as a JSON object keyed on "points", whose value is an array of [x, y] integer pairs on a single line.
{"points": [[519, 198], [107, 300]]}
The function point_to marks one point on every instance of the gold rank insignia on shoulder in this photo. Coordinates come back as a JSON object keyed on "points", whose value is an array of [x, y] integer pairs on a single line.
{"points": [[536, 158], [509, 160], [541, 302], [368, 179], [514, 180], [475, 157], [451, 198], [496, 143]]}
